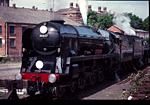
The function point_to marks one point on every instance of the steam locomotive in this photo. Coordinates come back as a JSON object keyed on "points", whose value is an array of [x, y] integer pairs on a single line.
{"points": [[59, 57]]}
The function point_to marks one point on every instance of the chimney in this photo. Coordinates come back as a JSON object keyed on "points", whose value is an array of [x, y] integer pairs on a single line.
{"points": [[51, 9], [110, 12], [89, 8], [14, 5], [77, 6], [33, 7], [105, 9], [71, 5], [99, 9]]}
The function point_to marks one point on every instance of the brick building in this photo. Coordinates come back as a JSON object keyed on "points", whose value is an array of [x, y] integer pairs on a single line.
{"points": [[142, 33], [100, 11], [4, 3], [139, 32], [13, 21], [73, 12]]}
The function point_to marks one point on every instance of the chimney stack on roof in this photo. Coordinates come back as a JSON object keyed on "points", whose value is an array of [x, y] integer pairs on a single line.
{"points": [[105, 9], [99, 9], [71, 5], [14, 5], [89, 8], [77, 6], [51, 9], [33, 7]]}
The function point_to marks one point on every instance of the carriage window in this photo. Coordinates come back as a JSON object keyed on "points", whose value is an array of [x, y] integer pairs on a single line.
{"points": [[0, 30], [0, 42]]}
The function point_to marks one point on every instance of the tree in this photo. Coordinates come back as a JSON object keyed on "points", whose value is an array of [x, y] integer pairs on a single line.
{"points": [[136, 22], [105, 21], [146, 24], [99, 21], [92, 18]]}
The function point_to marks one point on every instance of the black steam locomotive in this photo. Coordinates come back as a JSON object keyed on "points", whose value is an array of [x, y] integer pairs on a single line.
{"points": [[59, 57]]}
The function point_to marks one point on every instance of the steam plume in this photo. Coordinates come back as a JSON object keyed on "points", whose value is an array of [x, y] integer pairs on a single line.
{"points": [[123, 22], [83, 9]]}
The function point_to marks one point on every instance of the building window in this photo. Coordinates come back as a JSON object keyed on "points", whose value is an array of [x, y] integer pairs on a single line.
{"points": [[0, 30], [12, 30], [0, 42], [12, 43]]}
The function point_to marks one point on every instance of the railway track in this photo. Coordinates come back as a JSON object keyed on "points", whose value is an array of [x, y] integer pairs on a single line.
{"points": [[14, 91]]}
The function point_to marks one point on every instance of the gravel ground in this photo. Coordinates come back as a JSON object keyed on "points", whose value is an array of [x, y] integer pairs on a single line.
{"points": [[9, 70]]}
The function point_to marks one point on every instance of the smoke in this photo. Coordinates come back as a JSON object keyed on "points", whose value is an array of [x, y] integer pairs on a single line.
{"points": [[83, 9], [123, 22]]}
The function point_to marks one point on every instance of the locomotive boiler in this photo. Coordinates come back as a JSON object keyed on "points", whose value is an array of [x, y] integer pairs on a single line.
{"points": [[59, 57]]}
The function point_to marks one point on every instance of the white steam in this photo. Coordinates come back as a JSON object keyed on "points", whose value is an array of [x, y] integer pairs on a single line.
{"points": [[123, 22], [83, 9]]}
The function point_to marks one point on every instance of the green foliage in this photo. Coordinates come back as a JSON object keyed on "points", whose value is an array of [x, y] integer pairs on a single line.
{"points": [[146, 24], [136, 22], [92, 18], [99, 21], [136, 81], [105, 21]]}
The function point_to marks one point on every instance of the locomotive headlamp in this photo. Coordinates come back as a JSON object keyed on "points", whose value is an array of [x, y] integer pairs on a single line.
{"points": [[52, 78], [39, 64], [43, 29], [18, 77]]}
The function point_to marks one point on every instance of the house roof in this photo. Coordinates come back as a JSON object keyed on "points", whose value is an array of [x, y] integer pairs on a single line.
{"points": [[69, 10], [139, 30], [115, 29], [31, 16]]}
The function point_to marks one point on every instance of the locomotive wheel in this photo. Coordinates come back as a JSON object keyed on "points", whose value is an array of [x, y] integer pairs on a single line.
{"points": [[92, 79], [30, 91], [81, 83], [100, 76], [145, 61], [58, 92], [73, 86]]}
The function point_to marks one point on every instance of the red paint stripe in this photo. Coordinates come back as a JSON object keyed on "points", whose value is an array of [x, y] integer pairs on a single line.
{"points": [[33, 76]]}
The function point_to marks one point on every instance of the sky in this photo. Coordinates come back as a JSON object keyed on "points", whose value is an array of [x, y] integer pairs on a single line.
{"points": [[139, 8]]}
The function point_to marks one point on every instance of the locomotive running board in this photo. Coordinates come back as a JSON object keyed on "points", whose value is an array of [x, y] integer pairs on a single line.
{"points": [[89, 57]]}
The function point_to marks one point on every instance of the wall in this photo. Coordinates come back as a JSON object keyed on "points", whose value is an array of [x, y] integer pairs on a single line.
{"points": [[17, 50], [2, 35]]}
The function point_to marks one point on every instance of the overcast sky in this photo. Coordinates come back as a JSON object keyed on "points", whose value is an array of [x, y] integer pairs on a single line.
{"points": [[139, 8]]}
